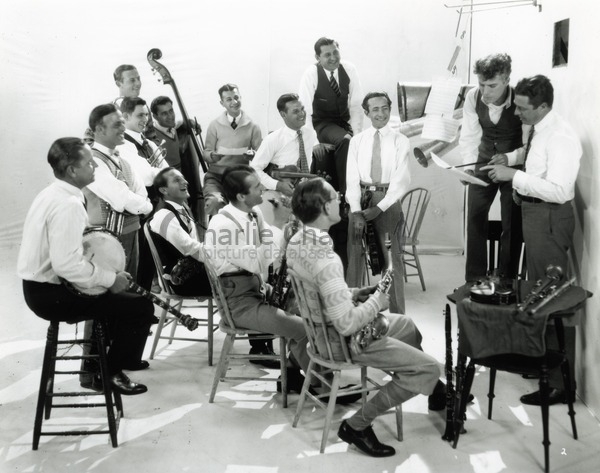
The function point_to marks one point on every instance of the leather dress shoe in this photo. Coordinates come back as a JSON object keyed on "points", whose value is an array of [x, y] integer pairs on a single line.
{"points": [[94, 383], [137, 366], [365, 440], [269, 364], [121, 383], [555, 396]]}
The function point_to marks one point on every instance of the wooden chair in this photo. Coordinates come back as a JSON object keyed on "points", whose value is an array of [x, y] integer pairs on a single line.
{"points": [[233, 333], [324, 362], [47, 396], [167, 319], [414, 204]]}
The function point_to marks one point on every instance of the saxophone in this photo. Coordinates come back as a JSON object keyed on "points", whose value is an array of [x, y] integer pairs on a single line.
{"points": [[376, 328]]}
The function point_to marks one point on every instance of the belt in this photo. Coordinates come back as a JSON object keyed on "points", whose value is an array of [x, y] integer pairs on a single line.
{"points": [[374, 187], [236, 273], [533, 200]]}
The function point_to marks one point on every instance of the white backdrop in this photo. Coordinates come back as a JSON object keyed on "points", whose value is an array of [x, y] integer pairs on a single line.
{"points": [[57, 60]]}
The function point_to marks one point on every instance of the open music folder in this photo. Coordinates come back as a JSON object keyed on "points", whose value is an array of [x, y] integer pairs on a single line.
{"points": [[463, 176]]}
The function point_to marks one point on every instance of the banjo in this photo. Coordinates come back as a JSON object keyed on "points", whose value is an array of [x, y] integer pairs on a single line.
{"points": [[102, 248]]}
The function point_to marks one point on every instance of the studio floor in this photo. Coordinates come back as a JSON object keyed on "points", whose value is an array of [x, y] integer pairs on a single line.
{"points": [[173, 428]]}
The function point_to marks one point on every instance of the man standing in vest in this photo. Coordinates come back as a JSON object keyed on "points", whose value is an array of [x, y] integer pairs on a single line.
{"points": [[491, 128], [331, 93]]}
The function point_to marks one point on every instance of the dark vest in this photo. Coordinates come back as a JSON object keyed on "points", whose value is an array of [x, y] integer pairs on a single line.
{"points": [[503, 137], [197, 285], [172, 147], [327, 106]]}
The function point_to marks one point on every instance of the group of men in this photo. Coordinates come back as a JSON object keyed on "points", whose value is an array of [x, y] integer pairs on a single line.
{"points": [[123, 167]]}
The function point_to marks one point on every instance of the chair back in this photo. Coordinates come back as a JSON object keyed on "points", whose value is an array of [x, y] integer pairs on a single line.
{"points": [[160, 268], [217, 290], [414, 204], [323, 338]]}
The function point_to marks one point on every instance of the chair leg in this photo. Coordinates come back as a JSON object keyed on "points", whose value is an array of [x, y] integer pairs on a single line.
{"points": [[283, 365], [404, 266], [544, 399], [159, 328], [51, 370], [174, 322], [222, 366], [566, 375], [419, 269], [399, 423], [49, 352], [107, 388], [491, 394], [303, 393], [210, 326], [330, 408]]}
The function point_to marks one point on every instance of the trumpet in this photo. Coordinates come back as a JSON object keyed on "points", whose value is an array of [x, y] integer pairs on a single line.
{"points": [[158, 156]]}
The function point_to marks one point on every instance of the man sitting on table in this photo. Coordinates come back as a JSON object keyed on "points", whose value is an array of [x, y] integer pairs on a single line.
{"points": [[316, 203]]}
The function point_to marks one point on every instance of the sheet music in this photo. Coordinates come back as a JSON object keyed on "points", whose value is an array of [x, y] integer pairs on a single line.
{"points": [[443, 95], [231, 151], [441, 128], [463, 176]]}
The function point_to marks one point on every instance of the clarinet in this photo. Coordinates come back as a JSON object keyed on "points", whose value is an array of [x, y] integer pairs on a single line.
{"points": [[449, 434], [279, 280]]}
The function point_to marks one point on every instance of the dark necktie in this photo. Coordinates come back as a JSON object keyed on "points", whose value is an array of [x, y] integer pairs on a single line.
{"points": [[528, 146], [376, 158], [334, 85], [147, 148], [234, 124], [302, 161]]}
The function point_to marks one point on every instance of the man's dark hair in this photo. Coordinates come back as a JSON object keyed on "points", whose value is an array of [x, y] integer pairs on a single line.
{"points": [[492, 65], [160, 180], [99, 113], [308, 199], [323, 41], [284, 100], [371, 95], [234, 181], [227, 88], [63, 153], [118, 74], [538, 89], [158, 101], [128, 104]]}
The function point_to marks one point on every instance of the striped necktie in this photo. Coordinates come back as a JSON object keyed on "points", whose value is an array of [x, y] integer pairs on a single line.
{"points": [[302, 161], [528, 146], [376, 158], [334, 85], [234, 124]]}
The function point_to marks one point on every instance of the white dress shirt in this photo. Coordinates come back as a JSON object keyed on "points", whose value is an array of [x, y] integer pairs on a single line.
{"points": [[170, 132], [118, 194], [140, 165], [282, 149], [471, 131], [165, 224], [394, 166], [552, 162], [308, 85], [52, 240], [234, 246]]}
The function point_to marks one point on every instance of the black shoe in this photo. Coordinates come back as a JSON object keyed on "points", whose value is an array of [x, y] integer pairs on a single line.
{"points": [[269, 364], [365, 440], [138, 366], [122, 384], [94, 383], [555, 396], [438, 400]]}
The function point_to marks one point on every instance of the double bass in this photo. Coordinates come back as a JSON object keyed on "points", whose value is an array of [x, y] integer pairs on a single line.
{"points": [[195, 139]]}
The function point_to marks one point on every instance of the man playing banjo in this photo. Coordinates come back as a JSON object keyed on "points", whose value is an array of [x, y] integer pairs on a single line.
{"points": [[52, 251]]}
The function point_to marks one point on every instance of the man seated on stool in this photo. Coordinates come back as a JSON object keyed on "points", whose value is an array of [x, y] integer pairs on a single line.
{"points": [[242, 246], [175, 233], [52, 252], [316, 203]]}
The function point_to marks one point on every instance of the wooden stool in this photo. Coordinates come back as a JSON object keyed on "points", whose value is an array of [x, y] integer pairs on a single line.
{"points": [[47, 396]]}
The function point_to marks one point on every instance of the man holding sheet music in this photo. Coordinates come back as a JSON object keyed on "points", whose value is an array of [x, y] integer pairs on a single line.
{"points": [[491, 128]]}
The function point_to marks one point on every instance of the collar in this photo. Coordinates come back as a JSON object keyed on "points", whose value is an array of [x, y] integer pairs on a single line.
{"points": [[506, 104], [238, 119], [175, 204], [240, 215], [545, 122], [167, 131], [286, 130], [135, 135], [226, 119], [69, 188], [314, 235], [103, 149], [384, 131]]}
